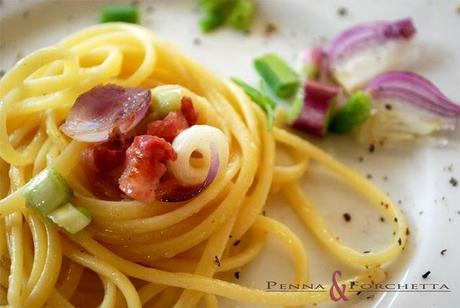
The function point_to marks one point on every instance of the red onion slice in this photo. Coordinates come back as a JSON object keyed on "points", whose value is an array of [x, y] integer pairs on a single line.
{"points": [[318, 104], [184, 193], [369, 34], [412, 89], [104, 110]]}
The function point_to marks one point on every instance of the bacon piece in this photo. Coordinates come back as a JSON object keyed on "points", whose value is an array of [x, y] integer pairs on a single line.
{"points": [[189, 111], [104, 109], [175, 122], [169, 127], [105, 156], [103, 164], [145, 164]]}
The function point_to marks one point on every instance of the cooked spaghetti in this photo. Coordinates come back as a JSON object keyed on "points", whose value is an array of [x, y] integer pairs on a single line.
{"points": [[154, 253]]}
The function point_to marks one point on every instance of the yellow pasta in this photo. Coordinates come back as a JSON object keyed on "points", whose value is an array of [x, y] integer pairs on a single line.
{"points": [[136, 254]]}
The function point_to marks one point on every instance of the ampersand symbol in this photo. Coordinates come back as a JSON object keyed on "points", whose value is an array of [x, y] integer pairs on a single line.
{"points": [[340, 289]]}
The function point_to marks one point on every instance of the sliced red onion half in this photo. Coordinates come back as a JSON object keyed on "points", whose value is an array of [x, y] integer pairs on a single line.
{"points": [[318, 105], [181, 193], [105, 110], [413, 89], [360, 53]]}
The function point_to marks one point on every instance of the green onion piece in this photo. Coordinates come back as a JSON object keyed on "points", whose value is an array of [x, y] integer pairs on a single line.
{"points": [[120, 12], [297, 105], [281, 79], [210, 22], [215, 13], [166, 98], [47, 191], [213, 6], [242, 14], [310, 71], [70, 218], [260, 99], [355, 112]]}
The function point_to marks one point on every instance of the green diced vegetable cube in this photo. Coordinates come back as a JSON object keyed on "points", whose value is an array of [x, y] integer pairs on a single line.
{"points": [[281, 78], [70, 218], [242, 14], [120, 12], [47, 191], [355, 112]]}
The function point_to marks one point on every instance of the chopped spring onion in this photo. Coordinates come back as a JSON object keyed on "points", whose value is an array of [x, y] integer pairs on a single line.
{"points": [[318, 105], [47, 191], [215, 13], [70, 218], [356, 110], [120, 12], [242, 14], [236, 13], [281, 79], [260, 99], [211, 22], [296, 106], [166, 98]]}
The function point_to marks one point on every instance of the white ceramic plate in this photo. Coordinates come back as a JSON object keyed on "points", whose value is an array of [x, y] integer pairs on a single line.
{"points": [[416, 174]]}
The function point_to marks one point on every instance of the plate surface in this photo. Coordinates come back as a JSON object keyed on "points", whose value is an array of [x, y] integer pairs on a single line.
{"points": [[417, 174]]}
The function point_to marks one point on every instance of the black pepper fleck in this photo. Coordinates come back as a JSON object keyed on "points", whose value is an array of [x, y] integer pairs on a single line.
{"points": [[399, 201], [407, 231], [196, 41], [382, 219], [372, 148], [425, 276], [360, 159], [217, 261], [443, 251], [399, 241], [342, 11], [388, 107], [264, 213], [385, 178], [453, 182], [359, 292], [2, 73], [396, 219], [366, 251], [370, 297], [347, 217], [420, 213], [237, 275], [237, 243], [369, 176], [270, 29]]}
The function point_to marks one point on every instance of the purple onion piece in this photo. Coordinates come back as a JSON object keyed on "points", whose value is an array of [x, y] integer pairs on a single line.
{"points": [[105, 110], [318, 104], [412, 89], [368, 35], [212, 173]]}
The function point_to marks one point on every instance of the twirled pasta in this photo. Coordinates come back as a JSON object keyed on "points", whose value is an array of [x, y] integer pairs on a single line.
{"points": [[147, 254]]}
